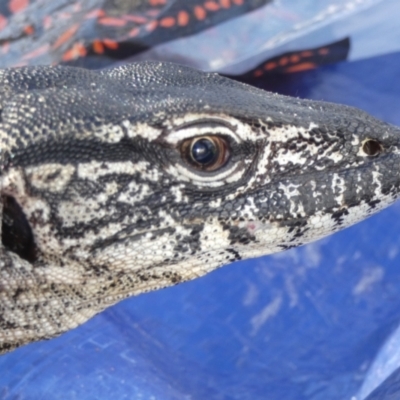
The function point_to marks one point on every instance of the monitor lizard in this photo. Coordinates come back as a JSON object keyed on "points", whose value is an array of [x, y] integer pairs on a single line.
{"points": [[127, 180]]}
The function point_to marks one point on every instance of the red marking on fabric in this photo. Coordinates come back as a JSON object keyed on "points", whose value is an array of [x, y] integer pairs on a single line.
{"points": [[17, 5], [47, 22], [37, 52], [67, 35], [183, 18], [257, 73], [153, 13], [76, 51], [270, 65], [134, 32], [135, 18], [306, 53], [97, 13], [301, 67], [29, 30], [200, 13], [81, 49], [157, 2], [167, 22], [225, 3], [238, 2], [295, 58], [111, 21], [283, 61], [211, 6], [5, 47], [151, 26], [324, 51], [98, 47], [110, 44], [3, 22]]}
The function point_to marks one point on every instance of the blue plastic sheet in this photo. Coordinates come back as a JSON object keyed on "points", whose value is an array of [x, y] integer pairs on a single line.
{"points": [[307, 324]]}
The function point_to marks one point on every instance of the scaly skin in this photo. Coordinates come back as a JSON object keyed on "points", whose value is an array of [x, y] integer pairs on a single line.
{"points": [[102, 201]]}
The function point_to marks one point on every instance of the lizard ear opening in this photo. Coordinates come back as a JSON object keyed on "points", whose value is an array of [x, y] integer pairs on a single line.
{"points": [[16, 233]]}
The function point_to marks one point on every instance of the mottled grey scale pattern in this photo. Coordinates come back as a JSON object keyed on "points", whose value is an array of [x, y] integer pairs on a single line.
{"points": [[99, 201]]}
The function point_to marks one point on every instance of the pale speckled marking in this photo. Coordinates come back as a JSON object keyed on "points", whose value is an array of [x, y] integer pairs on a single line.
{"points": [[283, 134], [206, 181], [296, 207], [41, 176], [236, 129], [96, 169], [142, 130], [135, 193], [177, 192], [338, 187], [80, 210], [107, 133]]}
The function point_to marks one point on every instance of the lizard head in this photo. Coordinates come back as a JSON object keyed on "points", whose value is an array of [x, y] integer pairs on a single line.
{"points": [[123, 181]]}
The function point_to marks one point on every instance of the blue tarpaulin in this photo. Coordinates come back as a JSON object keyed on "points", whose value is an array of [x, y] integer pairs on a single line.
{"points": [[320, 322]]}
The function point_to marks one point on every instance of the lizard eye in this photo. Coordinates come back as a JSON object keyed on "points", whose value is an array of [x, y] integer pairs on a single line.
{"points": [[207, 153]]}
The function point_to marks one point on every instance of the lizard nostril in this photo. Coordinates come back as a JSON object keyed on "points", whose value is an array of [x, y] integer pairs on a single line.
{"points": [[16, 233], [371, 147]]}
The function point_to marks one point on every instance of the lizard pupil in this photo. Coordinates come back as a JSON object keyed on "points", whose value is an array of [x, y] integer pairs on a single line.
{"points": [[204, 151]]}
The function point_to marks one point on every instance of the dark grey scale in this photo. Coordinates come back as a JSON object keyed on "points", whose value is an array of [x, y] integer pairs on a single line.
{"points": [[337, 216], [239, 235], [236, 255]]}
